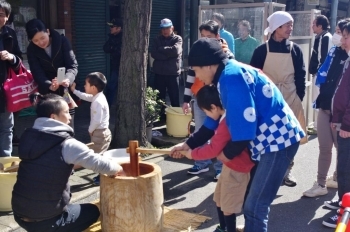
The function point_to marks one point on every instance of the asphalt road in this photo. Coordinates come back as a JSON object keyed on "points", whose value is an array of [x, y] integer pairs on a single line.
{"points": [[290, 212]]}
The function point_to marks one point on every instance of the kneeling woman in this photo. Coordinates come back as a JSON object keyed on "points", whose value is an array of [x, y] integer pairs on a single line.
{"points": [[48, 152]]}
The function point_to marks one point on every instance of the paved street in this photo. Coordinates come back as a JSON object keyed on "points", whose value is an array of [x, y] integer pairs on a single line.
{"points": [[290, 211]]}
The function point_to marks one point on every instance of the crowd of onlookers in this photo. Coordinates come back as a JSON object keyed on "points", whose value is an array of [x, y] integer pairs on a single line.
{"points": [[272, 150]]}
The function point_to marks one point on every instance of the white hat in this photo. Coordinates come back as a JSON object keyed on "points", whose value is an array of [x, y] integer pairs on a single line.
{"points": [[276, 20]]}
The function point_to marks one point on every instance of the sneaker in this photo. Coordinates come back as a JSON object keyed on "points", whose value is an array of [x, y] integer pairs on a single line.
{"points": [[196, 170], [315, 191], [240, 228], [290, 180], [334, 204], [217, 174], [96, 180], [331, 222], [331, 183], [218, 229]]}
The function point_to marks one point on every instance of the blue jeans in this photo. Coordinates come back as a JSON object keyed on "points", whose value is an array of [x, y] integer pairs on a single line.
{"points": [[112, 87], [343, 166], [265, 184], [76, 218], [6, 126], [199, 117]]}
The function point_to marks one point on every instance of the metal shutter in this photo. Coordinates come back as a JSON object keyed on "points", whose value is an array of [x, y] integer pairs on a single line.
{"points": [[165, 9], [90, 34]]}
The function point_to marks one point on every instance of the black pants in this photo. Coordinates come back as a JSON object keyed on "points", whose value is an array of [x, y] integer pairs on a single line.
{"points": [[76, 218], [169, 83], [343, 166]]}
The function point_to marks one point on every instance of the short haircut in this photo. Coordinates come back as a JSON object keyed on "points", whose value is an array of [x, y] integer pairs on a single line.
{"points": [[48, 104], [34, 26], [211, 26], [246, 24], [208, 95], [323, 21], [346, 28], [219, 17], [342, 23], [98, 80], [6, 7]]}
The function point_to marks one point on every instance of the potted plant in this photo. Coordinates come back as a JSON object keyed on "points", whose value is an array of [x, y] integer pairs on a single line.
{"points": [[152, 110]]}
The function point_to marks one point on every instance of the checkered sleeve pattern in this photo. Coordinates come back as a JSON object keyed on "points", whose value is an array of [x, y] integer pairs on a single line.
{"points": [[281, 131]]}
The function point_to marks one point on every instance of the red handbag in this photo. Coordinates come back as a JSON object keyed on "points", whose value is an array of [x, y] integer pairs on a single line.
{"points": [[17, 89]]}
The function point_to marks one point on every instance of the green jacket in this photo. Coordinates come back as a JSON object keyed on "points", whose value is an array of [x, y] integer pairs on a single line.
{"points": [[245, 48]]}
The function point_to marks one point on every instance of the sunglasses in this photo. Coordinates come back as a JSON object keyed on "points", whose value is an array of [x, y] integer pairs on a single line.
{"points": [[112, 26]]}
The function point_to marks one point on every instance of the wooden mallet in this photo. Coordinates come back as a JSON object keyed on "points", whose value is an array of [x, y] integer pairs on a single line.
{"points": [[134, 149]]}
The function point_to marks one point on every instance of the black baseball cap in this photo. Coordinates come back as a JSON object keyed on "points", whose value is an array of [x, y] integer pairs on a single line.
{"points": [[115, 22]]}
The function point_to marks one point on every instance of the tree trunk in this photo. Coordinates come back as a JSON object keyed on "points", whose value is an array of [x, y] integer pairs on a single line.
{"points": [[130, 123]]}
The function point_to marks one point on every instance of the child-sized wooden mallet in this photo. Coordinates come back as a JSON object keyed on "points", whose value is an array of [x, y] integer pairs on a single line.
{"points": [[145, 150], [134, 149]]}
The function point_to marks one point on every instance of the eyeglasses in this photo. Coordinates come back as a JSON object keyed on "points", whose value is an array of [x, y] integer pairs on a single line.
{"points": [[112, 26]]}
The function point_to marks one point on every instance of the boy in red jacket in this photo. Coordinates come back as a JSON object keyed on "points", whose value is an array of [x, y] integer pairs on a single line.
{"points": [[233, 181]]}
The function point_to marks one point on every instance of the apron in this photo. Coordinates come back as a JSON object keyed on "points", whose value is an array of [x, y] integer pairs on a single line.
{"points": [[280, 69]]}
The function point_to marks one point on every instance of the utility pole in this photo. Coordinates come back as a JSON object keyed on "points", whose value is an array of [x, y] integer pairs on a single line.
{"points": [[334, 14], [194, 21]]}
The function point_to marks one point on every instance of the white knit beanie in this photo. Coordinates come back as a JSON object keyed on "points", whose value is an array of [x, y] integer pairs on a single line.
{"points": [[276, 20]]}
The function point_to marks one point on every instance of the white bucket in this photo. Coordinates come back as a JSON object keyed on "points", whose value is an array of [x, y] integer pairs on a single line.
{"points": [[7, 181], [177, 122]]}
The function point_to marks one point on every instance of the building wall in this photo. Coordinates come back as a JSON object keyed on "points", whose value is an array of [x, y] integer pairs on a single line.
{"points": [[65, 17], [325, 7]]}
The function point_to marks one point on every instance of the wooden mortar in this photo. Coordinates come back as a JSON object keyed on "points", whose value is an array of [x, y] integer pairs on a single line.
{"points": [[134, 202], [130, 203]]}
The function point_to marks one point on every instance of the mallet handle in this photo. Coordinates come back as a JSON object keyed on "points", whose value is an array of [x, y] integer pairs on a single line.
{"points": [[13, 168], [152, 151], [134, 158]]}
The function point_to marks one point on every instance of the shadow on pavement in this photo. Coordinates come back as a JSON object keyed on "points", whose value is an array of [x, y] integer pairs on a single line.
{"points": [[296, 217], [81, 187], [178, 183]]}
